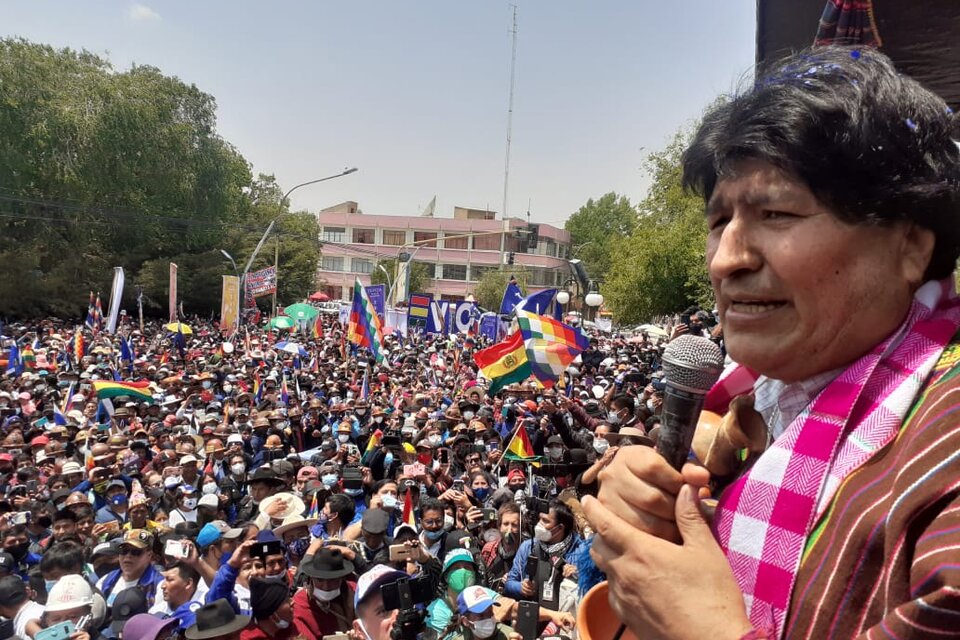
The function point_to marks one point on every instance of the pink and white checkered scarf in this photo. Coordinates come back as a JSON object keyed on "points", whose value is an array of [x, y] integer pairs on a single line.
{"points": [[763, 518]]}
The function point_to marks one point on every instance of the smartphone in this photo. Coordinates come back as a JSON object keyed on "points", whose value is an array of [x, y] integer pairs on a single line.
{"points": [[112, 526], [444, 456], [60, 631], [527, 619], [414, 470], [32, 486], [399, 552], [489, 515], [175, 549], [458, 485], [21, 517], [533, 563]]}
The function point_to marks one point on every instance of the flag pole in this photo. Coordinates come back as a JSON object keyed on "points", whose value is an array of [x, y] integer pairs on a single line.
{"points": [[516, 430]]}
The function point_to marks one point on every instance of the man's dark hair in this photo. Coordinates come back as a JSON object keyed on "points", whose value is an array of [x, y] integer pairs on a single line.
{"points": [[431, 504], [872, 145], [622, 401], [82, 510], [65, 557], [563, 515], [344, 506], [507, 507], [186, 572]]}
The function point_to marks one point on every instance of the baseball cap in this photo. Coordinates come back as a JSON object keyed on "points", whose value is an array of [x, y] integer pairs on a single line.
{"points": [[373, 579], [209, 500], [139, 538], [6, 562], [516, 473], [70, 592], [127, 604], [476, 599], [208, 535], [457, 555], [226, 531], [187, 459], [234, 438], [308, 473]]}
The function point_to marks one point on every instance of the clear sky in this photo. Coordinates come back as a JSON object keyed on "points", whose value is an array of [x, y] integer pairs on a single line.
{"points": [[414, 93]]}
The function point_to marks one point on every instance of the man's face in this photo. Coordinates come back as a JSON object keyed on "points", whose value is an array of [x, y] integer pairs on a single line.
{"points": [[259, 491], [800, 292], [275, 565], [432, 520], [133, 561], [63, 528], [549, 520], [175, 589], [510, 523], [372, 618]]}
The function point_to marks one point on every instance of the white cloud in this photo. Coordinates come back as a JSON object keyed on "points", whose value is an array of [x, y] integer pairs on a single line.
{"points": [[142, 13]]}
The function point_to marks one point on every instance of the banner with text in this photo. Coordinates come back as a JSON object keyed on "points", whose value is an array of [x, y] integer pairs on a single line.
{"points": [[173, 292], [377, 293], [260, 283], [230, 303], [418, 309]]}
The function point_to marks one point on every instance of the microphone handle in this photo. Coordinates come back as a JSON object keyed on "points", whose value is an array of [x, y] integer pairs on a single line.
{"points": [[678, 422]]}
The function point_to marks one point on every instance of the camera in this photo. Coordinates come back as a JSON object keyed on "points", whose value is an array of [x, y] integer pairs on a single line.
{"points": [[405, 595], [352, 477]]}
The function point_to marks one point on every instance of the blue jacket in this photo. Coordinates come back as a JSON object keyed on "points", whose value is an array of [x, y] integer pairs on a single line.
{"points": [[224, 583], [148, 581], [186, 614], [518, 571]]}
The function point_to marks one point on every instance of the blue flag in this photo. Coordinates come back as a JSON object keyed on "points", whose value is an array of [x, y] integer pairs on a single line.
{"points": [[14, 364], [511, 296], [539, 302]]}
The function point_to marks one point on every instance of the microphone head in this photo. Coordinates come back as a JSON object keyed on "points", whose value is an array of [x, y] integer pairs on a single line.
{"points": [[692, 363]]}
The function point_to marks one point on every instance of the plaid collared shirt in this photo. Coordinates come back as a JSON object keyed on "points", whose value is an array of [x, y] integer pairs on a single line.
{"points": [[780, 403]]}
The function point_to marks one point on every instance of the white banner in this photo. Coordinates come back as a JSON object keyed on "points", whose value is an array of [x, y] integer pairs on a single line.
{"points": [[116, 293]]}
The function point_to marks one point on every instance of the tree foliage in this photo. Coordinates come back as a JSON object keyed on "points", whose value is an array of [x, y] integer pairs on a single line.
{"points": [[661, 267], [595, 228], [489, 289], [105, 168], [420, 275]]}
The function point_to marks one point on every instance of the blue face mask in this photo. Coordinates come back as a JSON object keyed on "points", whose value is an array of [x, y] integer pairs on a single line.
{"points": [[49, 585], [433, 536], [328, 480], [387, 459], [481, 493], [118, 500]]}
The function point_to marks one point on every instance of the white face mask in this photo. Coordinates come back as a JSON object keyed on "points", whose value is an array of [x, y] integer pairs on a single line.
{"points": [[378, 419], [344, 438], [281, 623], [434, 439], [542, 534], [467, 415], [484, 628], [190, 504], [238, 469], [227, 388], [600, 445], [209, 488], [361, 412], [650, 406], [325, 596], [556, 453], [448, 522]]}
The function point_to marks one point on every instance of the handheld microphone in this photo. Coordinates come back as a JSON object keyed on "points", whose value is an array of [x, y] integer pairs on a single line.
{"points": [[691, 365]]}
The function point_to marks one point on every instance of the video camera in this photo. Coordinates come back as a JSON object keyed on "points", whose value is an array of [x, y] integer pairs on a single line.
{"points": [[392, 439], [404, 595]]}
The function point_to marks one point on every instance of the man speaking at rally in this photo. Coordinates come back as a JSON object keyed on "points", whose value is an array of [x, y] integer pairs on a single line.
{"points": [[832, 193]]}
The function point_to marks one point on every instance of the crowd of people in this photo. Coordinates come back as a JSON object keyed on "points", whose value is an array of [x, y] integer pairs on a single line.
{"points": [[265, 492]]}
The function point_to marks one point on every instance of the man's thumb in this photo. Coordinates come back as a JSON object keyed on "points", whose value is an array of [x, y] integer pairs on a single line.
{"points": [[690, 521]]}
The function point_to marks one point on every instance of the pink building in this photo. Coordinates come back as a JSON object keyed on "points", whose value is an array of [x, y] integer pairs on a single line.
{"points": [[353, 243]]}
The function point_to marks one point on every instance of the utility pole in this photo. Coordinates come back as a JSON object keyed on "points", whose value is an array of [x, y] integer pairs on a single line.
{"points": [[506, 168]]}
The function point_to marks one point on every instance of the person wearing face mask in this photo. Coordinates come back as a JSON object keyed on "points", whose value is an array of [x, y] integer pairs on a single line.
{"points": [[476, 618], [433, 532], [17, 544], [186, 510], [326, 605], [377, 418], [459, 573], [555, 545], [116, 508], [337, 513], [272, 612], [498, 554]]}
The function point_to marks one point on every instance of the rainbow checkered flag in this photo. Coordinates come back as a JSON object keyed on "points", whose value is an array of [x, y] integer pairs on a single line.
{"points": [[364, 328], [550, 345]]}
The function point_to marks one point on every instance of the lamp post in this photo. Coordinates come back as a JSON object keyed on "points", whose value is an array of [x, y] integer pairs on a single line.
{"points": [[236, 271], [266, 233], [564, 297], [593, 299]]}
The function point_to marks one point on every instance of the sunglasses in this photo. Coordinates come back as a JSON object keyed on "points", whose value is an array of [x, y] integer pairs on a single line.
{"points": [[131, 551]]}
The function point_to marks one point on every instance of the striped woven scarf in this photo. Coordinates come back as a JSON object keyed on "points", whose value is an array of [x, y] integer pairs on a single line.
{"points": [[763, 518]]}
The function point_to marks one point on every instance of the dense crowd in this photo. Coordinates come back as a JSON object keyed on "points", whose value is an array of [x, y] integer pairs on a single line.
{"points": [[295, 492]]}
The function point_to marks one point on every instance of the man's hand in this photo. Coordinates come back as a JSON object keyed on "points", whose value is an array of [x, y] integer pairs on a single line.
{"points": [[474, 515], [527, 588], [241, 554], [570, 571], [654, 582], [275, 508]]}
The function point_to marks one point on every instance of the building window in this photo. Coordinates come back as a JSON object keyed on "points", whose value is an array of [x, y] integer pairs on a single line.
{"points": [[425, 237], [454, 271], [330, 263], [334, 234], [455, 243], [487, 243], [362, 266], [363, 236], [477, 271], [394, 238]]}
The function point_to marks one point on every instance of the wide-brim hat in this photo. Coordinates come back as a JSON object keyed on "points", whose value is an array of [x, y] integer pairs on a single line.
{"points": [[294, 505], [214, 620], [265, 474], [631, 432], [292, 522], [326, 564]]}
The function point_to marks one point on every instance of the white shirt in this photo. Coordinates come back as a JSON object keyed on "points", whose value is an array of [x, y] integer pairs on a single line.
{"points": [[178, 515], [30, 611], [122, 583]]}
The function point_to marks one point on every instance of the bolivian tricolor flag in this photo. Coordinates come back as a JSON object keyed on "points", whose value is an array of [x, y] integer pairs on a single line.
{"points": [[504, 363], [110, 389], [520, 448]]}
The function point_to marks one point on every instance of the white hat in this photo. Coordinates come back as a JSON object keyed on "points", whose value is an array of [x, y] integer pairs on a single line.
{"points": [[187, 459], [71, 467], [70, 592], [235, 438], [209, 500]]}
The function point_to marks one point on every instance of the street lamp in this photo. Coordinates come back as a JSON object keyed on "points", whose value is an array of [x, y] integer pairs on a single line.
{"points": [[563, 297], [266, 233], [226, 255], [593, 299]]}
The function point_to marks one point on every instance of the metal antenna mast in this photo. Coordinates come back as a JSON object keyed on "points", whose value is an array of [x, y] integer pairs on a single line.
{"points": [[506, 168]]}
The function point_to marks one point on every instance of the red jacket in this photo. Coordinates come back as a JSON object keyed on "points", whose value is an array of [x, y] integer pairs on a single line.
{"points": [[314, 622], [254, 632]]}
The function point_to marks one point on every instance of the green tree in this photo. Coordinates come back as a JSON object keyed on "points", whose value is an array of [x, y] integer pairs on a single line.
{"points": [[105, 168], [596, 226], [420, 275], [661, 267], [489, 289]]}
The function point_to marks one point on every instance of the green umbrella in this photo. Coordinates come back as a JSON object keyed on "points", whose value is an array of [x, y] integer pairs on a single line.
{"points": [[281, 322], [301, 311]]}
